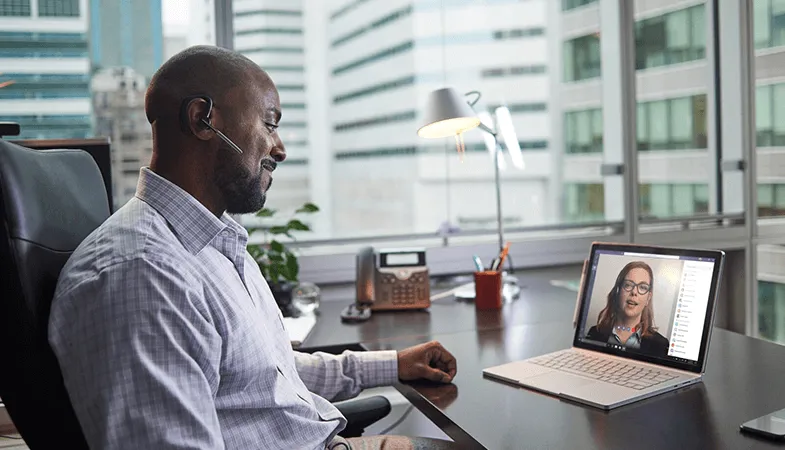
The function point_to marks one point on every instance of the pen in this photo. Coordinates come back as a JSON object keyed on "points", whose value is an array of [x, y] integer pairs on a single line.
{"points": [[478, 263], [503, 255], [498, 262]]}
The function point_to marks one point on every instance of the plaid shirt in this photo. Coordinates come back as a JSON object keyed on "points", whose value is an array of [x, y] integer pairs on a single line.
{"points": [[168, 337]]}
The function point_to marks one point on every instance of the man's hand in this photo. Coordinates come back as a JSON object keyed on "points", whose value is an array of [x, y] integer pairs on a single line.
{"points": [[428, 361]]}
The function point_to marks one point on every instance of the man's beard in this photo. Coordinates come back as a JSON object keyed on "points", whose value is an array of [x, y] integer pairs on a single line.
{"points": [[241, 189]]}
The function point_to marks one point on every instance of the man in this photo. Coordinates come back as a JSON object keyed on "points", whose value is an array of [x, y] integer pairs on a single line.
{"points": [[166, 333]]}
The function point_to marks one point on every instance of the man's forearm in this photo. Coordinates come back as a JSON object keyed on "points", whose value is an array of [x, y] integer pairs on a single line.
{"points": [[344, 376]]}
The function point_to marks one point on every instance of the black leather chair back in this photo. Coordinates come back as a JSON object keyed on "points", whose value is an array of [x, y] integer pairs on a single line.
{"points": [[50, 200]]}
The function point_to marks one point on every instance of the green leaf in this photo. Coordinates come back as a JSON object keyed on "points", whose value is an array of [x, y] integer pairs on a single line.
{"points": [[292, 268], [255, 251], [275, 257], [277, 246], [273, 273], [308, 208], [265, 269], [279, 230], [295, 224], [265, 212]]}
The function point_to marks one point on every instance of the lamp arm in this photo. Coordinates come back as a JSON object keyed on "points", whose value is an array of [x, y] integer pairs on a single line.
{"points": [[498, 186], [477, 97], [485, 128]]}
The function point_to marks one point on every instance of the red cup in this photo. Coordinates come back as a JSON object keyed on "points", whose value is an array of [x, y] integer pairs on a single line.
{"points": [[488, 289]]}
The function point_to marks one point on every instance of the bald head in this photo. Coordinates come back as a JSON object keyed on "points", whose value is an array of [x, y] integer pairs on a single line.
{"points": [[222, 149], [198, 70]]}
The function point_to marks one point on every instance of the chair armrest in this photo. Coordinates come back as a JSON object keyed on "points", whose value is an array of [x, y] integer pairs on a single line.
{"points": [[362, 413]]}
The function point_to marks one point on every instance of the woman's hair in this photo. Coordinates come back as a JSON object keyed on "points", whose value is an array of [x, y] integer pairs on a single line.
{"points": [[608, 315]]}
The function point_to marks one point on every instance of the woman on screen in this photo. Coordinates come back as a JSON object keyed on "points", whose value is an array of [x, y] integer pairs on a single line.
{"points": [[628, 317]]}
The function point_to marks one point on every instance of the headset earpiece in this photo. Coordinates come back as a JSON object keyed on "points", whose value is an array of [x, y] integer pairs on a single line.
{"points": [[185, 121]]}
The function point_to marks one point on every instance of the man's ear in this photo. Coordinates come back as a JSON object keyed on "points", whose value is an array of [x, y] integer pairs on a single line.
{"points": [[196, 111]]}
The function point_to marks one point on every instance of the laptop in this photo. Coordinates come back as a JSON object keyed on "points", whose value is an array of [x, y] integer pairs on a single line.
{"points": [[644, 323]]}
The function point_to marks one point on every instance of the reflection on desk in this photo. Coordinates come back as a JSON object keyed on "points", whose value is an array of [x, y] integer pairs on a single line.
{"points": [[743, 381]]}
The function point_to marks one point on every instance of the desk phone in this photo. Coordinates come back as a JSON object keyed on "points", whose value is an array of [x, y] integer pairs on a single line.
{"points": [[400, 280]]}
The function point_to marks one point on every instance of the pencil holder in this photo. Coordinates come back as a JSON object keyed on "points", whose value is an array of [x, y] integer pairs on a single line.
{"points": [[488, 290]]}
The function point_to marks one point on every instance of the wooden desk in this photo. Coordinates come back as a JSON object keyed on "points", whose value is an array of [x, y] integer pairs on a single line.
{"points": [[539, 302], [744, 379]]}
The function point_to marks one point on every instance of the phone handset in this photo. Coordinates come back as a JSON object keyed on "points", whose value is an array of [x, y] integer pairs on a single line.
{"points": [[364, 284], [366, 271]]}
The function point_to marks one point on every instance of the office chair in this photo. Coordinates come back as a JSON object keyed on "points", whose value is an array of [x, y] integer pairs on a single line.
{"points": [[50, 201]]}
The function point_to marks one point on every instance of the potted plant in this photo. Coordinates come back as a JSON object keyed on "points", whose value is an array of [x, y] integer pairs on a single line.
{"points": [[279, 265]]}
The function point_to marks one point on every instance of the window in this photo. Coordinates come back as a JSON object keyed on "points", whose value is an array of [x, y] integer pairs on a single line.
{"points": [[58, 8], [522, 107], [676, 37], [572, 4], [771, 199], [582, 58], [584, 202], [19, 8], [769, 23], [86, 70], [672, 124], [778, 96], [376, 121], [778, 22], [771, 306], [501, 35], [660, 201], [513, 71], [382, 21], [381, 87], [269, 12], [269, 30], [583, 131], [383, 54], [764, 122]]}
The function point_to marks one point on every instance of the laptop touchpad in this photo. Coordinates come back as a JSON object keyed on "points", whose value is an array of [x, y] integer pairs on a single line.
{"points": [[556, 382]]}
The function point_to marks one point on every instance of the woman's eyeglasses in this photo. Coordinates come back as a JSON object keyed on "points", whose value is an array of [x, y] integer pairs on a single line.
{"points": [[643, 287]]}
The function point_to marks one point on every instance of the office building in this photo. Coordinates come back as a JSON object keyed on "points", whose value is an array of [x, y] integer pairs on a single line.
{"points": [[126, 33], [201, 22], [118, 110], [271, 34], [44, 51], [769, 42], [674, 144], [175, 39], [672, 85], [384, 59]]}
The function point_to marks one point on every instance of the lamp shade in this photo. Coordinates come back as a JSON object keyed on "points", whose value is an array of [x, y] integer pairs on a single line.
{"points": [[447, 113]]}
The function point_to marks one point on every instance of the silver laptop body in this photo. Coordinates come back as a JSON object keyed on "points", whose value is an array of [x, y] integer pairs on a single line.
{"points": [[601, 369]]}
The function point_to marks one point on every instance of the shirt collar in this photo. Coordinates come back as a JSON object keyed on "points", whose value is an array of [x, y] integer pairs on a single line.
{"points": [[194, 225]]}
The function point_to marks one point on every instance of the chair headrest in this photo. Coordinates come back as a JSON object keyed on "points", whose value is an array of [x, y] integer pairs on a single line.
{"points": [[51, 197]]}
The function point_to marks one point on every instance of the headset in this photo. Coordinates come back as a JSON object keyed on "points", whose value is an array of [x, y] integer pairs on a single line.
{"points": [[184, 122]]}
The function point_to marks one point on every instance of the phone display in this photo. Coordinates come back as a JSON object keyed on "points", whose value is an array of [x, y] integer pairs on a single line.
{"points": [[771, 426]]}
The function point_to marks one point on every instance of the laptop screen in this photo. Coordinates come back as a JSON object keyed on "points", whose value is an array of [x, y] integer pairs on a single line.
{"points": [[655, 306]]}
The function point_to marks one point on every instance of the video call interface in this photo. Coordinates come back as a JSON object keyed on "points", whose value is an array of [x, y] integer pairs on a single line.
{"points": [[647, 303]]}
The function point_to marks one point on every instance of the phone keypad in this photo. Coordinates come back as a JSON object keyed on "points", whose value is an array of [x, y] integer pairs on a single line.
{"points": [[403, 288]]}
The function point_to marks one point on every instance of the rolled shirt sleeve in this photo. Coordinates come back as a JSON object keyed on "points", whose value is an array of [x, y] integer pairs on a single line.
{"points": [[340, 377]]}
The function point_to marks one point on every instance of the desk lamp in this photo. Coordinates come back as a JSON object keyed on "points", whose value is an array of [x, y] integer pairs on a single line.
{"points": [[449, 114]]}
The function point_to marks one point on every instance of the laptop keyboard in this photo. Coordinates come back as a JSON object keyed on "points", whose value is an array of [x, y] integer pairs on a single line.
{"points": [[605, 369]]}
